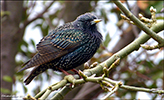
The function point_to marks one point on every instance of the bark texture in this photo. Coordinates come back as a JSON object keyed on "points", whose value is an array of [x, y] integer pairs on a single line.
{"points": [[10, 38]]}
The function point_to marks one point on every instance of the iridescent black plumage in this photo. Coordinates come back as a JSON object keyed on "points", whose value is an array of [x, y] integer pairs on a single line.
{"points": [[66, 47]]}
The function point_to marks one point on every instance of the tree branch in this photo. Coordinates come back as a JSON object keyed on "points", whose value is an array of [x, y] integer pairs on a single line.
{"points": [[139, 23], [65, 83], [135, 45], [86, 74], [39, 15]]}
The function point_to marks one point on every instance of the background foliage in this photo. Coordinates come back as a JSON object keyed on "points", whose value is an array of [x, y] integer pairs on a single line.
{"points": [[142, 68]]}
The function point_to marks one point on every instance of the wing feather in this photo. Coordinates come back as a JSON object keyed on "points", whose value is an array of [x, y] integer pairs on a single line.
{"points": [[55, 45]]}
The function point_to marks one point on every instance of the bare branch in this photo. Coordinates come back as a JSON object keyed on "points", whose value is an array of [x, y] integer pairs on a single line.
{"points": [[39, 15], [139, 23]]}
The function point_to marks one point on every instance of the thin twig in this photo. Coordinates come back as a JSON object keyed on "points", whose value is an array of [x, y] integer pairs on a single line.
{"points": [[135, 45], [99, 68], [39, 15], [114, 89], [139, 23]]}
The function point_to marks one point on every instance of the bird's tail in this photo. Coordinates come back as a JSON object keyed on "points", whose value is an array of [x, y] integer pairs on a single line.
{"points": [[35, 72], [31, 63]]}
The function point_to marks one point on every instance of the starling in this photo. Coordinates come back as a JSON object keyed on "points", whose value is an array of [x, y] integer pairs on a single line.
{"points": [[66, 47]]}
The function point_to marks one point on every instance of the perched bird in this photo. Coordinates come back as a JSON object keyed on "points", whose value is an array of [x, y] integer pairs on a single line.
{"points": [[66, 47]]}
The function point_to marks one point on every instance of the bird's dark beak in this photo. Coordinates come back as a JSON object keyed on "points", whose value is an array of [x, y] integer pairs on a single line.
{"points": [[95, 21]]}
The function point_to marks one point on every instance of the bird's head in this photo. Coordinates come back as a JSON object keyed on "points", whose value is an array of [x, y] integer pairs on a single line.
{"points": [[87, 21]]}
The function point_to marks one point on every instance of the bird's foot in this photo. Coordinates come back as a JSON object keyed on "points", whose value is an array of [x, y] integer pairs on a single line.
{"points": [[73, 70], [76, 72], [65, 72]]}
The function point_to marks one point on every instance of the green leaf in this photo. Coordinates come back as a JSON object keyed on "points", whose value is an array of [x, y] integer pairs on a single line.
{"points": [[107, 40], [5, 13], [25, 89], [149, 64], [157, 75], [25, 43], [37, 25], [156, 4], [160, 17], [51, 17], [14, 92], [7, 78], [161, 63], [5, 91], [45, 30], [32, 42], [103, 14]]}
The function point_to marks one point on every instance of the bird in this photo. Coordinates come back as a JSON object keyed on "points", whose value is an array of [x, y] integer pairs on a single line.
{"points": [[66, 47]]}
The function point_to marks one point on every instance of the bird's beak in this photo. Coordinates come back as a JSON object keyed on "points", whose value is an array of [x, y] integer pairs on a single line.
{"points": [[95, 21]]}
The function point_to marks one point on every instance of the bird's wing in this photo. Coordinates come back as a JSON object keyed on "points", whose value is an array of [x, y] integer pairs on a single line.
{"points": [[60, 41], [55, 45]]}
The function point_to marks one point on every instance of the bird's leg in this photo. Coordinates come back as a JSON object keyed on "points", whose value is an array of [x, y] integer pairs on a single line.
{"points": [[66, 73], [76, 72], [73, 70]]}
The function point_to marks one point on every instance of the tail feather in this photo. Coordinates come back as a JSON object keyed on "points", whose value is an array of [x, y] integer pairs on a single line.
{"points": [[26, 63], [24, 67], [35, 72], [39, 59], [31, 63]]}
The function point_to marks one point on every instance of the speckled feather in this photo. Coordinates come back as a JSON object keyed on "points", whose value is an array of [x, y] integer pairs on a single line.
{"points": [[66, 47]]}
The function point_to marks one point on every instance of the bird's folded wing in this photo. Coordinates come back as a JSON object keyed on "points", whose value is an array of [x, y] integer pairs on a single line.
{"points": [[55, 46], [64, 40]]}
